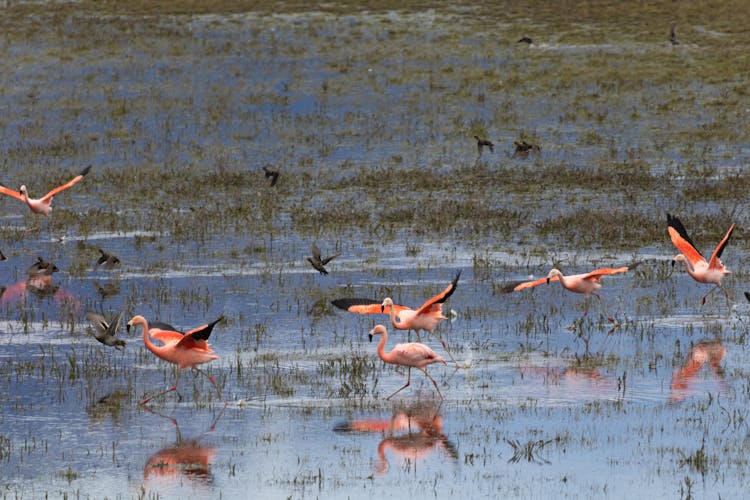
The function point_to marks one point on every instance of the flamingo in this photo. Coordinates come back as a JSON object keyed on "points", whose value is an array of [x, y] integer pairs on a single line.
{"points": [[186, 350], [587, 284], [483, 143], [710, 272], [426, 318], [107, 259], [410, 355], [317, 262], [105, 331], [43, 205]]}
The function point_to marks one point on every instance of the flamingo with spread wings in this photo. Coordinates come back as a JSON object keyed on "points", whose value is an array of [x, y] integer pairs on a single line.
{"points": [[426, 318], [186, 350], [43, 205], [710, 272], [586, 283]]}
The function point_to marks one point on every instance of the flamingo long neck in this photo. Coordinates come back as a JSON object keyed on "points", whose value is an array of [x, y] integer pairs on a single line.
{"points": [[395, 323], [147, 339], [689, 269], [385, 356]]}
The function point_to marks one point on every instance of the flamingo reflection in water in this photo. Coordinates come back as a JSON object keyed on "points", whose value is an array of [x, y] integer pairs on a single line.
{"points": [[39, 283], [705, 352], [415, 431], [576, 382], [186, 458]]}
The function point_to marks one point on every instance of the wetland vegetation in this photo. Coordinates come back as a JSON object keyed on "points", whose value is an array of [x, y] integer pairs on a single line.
{"points": [[368, 110]]}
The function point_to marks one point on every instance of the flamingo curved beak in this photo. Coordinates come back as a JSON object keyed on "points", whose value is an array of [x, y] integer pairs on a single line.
{"points": [[370, 335], [382, 308], [548, 280], [127, 328], [673, 262]]}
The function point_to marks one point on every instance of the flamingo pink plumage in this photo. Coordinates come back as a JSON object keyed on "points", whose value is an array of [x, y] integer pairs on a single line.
{"points": [[186, 350], [426, 318], [586, 283], [411, 355], [710, 272], [43, 205]]}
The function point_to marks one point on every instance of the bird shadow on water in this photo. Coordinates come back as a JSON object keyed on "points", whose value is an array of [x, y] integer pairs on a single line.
{"points": [[414, 431]]}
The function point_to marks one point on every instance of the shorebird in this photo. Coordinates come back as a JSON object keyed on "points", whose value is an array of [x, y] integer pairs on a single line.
{"points": [[186, 350], [411, 355], [273, 174], [107, 260], [426, 318], [710, 272], [484, 143], [42, 205], [586, 283]]}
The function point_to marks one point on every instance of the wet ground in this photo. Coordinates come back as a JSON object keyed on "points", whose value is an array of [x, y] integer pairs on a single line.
{"points": [[368, 112]]}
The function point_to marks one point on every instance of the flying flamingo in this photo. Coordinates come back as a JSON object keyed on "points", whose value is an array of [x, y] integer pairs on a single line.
{"points": [[710, 272], [42, 205], [587, 284], [426, 318], [410, 355], [186, 350]]}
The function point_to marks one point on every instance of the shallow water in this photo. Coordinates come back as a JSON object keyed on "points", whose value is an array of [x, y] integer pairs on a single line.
{"points": [[543, 405]]}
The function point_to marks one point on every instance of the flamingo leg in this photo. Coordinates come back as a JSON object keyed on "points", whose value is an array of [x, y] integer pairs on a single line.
{"points": [[211, 379], [703, 300], [173, 388], [604, 309], [445, 346], [408, 381], [433, 383]]}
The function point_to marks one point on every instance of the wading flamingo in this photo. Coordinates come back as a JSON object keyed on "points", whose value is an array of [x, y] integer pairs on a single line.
{"points": [[411, 355], [587, 284], [426, 318], [186, 350], [317, 262], [42, 205], [105, 331], [710, 272]]}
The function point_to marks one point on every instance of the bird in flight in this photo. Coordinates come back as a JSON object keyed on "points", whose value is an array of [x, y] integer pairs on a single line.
{"points": [[106, 259], [42, 205], [426, 318], [273, 174], [710, 272], [317, 262], [106, 331], [586, 283]]}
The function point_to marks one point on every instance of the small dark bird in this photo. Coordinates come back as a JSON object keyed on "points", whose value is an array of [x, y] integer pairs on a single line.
{"points": [[523, 149], [107, 259], [104, 331], [673, 34], [526, 40], [106, 289], [317, 262], [41, 268], [273, 174], [2, 256], [482, 143]]}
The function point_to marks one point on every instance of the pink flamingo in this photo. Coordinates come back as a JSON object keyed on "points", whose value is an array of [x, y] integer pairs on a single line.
{"points": [[42, 205], [587, 284], [410, 355], [426, 318], [186, 350], [710, 272]]}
